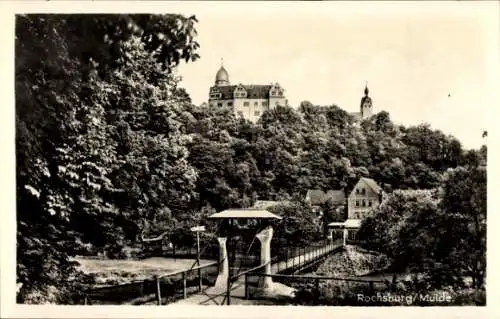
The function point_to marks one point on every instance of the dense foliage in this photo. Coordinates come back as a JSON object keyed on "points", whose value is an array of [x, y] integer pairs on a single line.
{"points": [[109, 148], [438, 234]]}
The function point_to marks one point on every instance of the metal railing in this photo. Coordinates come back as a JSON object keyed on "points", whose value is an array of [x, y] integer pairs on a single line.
{"points": [[297, 258]]}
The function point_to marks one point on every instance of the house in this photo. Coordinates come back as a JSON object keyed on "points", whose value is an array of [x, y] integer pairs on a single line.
{"points": [[317, 197], [364, 196], [360, 202]]}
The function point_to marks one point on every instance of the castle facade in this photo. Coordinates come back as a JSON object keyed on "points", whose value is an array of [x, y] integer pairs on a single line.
{"points": [[247, 101]]}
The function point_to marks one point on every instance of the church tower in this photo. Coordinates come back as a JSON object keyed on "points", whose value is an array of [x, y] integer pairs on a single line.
{"points": [[222, 77], [366, 107]]}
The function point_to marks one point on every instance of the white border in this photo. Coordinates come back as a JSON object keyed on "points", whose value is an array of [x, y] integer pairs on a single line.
{"points": [[7, 225]]}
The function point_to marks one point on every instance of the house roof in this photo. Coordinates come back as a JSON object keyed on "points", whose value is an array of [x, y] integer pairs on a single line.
{"points": [[317, 196], [337, 195], [371, 183], [265, 204], [253, 91], [245, 213]]}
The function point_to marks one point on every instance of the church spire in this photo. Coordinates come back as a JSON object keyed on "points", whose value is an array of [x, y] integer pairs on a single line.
{"points": [[366, 106]]}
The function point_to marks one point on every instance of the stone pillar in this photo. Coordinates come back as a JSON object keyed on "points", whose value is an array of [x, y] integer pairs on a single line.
{"points": [[221, 281], [346, 232], [265, 237]]}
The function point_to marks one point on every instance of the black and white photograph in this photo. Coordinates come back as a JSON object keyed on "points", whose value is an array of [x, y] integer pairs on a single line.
{"points": [[311, 154]]}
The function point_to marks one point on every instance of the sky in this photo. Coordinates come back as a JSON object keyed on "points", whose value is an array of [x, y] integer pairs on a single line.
{"points": [[424, 63]]}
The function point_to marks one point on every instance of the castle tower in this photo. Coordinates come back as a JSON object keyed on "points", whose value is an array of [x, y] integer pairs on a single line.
{"points": [[366, 107], [222, 77]]}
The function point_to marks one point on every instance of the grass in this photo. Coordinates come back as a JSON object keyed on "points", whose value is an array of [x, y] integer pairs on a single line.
{"points": [[115, 271]]}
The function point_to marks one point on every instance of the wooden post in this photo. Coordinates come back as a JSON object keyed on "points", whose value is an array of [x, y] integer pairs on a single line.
{"points": [[158, 291], [173, 250], [85, 302], [198, 259], [246, 286], [184, 284], [371, 287], [317, 287]]}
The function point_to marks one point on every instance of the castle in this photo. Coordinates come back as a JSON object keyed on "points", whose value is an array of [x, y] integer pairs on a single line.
{"points": [[247, 101], [250, 101]]}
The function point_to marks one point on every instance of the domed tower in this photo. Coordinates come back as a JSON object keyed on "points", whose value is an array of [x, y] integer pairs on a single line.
{"points": [[366, 106], [222, 77]]}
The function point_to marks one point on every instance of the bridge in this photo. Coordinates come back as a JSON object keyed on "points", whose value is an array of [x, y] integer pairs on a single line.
{"points": [[243, 281], [240, 284]]}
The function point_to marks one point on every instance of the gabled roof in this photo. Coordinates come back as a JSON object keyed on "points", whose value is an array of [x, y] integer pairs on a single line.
{"points": [[372, 184], [253, 91]]}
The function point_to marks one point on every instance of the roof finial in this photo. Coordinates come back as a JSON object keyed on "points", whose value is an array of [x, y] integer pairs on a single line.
{"points": [[366, 88], [221, 62]]}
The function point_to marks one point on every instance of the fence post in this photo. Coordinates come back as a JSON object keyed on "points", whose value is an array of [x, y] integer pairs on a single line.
{"points": [[158, 291], [85, 302], [200, 283], [228, 291], [173, 251], [184, 284], [286, 260], [317, 286], [246, 286]]}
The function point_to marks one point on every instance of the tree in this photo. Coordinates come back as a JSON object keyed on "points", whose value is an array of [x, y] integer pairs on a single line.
{"points": [[405, 228], [66, 148], [298, 227], [464, 202]]}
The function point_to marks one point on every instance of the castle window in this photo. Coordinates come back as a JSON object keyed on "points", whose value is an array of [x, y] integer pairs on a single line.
{"points": [[363, 191], [229, 103], [255, 103], [219, 104], [240, 113], [246, 103], [370, 203], [357, 191], [364, 203], [357, 203], [257, 113], [265, 103]]}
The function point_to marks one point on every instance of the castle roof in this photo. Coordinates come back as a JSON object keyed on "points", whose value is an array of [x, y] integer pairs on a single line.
{"points": [[253, 91], [222, 75]]}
